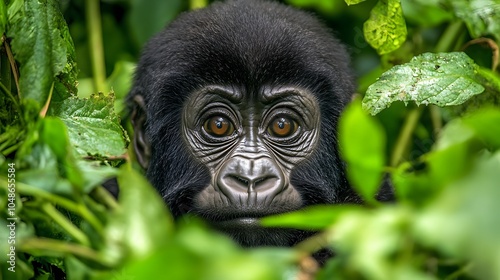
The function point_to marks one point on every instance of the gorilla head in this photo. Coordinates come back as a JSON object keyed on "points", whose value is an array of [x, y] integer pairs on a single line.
{"points": [[235, 109]]}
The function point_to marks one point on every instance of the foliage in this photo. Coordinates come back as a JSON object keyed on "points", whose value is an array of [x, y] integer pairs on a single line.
{"points": [[442, 151]]}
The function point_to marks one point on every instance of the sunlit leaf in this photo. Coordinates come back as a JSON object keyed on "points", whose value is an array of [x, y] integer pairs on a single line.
{"points": [[443, 79], [385, 30], [362, 144]]}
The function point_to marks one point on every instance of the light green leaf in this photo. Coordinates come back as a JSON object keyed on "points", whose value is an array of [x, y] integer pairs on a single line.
{"points": [[353, 2], [94, 128], [443, 79], [311, 218], [385, 30], [463, 222], [141, 223], [362, 143]]}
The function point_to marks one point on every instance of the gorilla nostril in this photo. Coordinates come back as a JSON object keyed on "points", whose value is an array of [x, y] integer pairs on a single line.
{"points": [[235, 181], [260, 183]]}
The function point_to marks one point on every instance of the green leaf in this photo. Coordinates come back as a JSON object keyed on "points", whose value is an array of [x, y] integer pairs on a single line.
{"points": [[141, 223], [47, 159], [149, 17], [463, 221], [353, 2], [3, 17], [362, 143], [482, 17], [94, 128], [311, 218], [44, 50], [425, 13], [385, 30], [443, 79]]}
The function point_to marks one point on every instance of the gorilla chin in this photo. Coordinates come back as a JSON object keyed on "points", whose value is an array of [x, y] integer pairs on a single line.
{"points": [[235, 109]]}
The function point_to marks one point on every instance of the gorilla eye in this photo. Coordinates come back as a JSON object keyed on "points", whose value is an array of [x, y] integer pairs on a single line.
{"points": [[218, 126], [282, 127]]}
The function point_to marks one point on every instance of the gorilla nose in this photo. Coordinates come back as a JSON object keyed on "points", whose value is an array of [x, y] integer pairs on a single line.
{"points": [[260, 182], [259, 178]]}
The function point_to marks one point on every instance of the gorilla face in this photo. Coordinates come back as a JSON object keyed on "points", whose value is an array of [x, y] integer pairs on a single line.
{"points": [[235, 109]]}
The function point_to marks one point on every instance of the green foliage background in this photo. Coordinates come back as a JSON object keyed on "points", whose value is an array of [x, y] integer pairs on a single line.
{"points": [[428, 73]]}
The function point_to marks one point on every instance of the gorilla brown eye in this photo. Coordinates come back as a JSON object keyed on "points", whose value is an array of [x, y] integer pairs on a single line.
{"points": [[218, 126], [282, 127]]}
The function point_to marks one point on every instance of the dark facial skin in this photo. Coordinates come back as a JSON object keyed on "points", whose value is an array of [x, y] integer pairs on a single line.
{"points": [[250, 146], [235, 110]]}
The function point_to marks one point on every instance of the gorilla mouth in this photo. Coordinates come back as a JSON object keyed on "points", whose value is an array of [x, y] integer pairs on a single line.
{"points": [[238, 223]]}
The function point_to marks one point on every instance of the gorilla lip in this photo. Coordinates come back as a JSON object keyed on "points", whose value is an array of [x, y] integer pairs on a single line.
{"points": [[239, 223]]}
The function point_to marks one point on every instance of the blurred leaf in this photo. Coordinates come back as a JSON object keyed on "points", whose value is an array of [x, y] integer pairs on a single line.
{"points": [[311, 218], [443, 79], [3, 17], [362, 144], [482, 17], [324, 6], [48, 160], [44, 49], [150, 17], [141, 223], [461, 222], [425, 13], [94, 128], [353, 2], [214, 256], [120, 81], [385, 30]]}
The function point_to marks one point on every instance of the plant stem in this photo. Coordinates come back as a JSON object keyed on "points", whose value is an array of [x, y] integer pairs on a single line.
{"points": [[70, 205], [94, 31], [66, 224], [404, 137], [35, 245], [450, 35]]}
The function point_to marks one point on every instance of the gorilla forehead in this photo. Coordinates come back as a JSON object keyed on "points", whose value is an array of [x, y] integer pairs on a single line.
{"points": [[245, 43]]}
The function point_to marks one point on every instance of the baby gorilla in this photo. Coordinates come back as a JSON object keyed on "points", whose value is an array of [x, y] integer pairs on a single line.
{"points": [[235, 109]]}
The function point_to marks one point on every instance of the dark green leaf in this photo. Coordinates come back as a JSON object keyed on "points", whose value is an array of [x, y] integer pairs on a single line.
{"points": [[44, 49]]}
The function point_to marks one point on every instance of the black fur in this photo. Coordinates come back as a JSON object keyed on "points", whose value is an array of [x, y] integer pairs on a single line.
{"points": [[247, 43]]}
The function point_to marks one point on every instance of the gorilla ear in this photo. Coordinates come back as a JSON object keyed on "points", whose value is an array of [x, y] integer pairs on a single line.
{"points": [[141, 143]]}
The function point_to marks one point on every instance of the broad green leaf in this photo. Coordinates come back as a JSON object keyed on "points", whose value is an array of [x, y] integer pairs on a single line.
{"points": [[311, 218], [141, 223], [443, 79], [94, 128], [385, 30], [44, 50], [482, 17], [362, 145]]}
